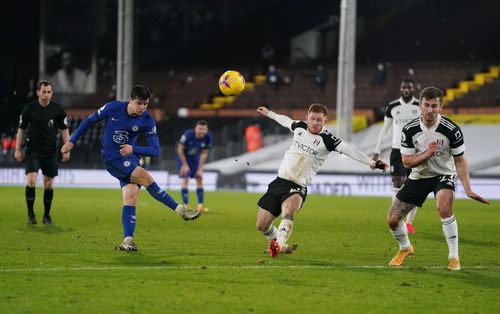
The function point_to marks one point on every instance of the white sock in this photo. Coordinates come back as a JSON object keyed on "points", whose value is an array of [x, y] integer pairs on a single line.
{"points": [[401, 235], [272, 233], [450, 230], [411, 215], [284, 231], [394, 192]]}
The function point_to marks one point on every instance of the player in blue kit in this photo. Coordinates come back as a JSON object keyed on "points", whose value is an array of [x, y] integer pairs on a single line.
{"points": [[124, 122], [192, 153]]}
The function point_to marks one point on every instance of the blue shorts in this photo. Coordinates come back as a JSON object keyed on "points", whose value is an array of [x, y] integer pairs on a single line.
{"points": [[192, 163], [122, 168]]}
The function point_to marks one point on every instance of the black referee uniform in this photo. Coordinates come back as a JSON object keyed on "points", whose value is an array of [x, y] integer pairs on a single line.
{"points": [[41, 125]]}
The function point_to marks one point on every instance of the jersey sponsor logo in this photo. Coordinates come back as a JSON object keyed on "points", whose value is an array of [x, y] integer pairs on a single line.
{"points": [[120, 137], [458, 135], [135, 128], [152, 131], [305, 148]]}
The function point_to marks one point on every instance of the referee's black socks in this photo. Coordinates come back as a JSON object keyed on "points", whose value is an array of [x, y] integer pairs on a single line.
{"points": [[30, 198], [48, 195]]}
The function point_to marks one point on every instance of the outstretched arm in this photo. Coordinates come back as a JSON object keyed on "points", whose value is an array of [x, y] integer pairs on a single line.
{"points": [[463, 174], [281, 119], [358, 155], [86, 124]]}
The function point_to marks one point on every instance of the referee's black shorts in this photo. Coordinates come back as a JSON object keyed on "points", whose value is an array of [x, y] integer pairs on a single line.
{"points": [[35, 162], [277, 192]]}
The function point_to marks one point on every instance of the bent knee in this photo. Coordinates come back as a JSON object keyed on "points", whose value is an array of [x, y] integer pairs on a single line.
{"points": [[445, 212], [261, 227]]}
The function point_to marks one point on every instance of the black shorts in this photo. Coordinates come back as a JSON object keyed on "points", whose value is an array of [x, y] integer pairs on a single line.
{"points": [[415, 191], [47, 164], [277, 192], [397, 167]]}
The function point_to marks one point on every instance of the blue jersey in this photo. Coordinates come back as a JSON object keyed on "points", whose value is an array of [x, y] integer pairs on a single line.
{"points": [[193, 146], [121, 129]]}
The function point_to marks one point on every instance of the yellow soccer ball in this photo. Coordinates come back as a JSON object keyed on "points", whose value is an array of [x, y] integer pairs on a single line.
{"points": [[231, 83]]}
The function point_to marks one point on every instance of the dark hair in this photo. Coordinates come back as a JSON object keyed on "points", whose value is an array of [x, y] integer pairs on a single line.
{"points": [[140, 92], [43, 83], [431, 93], [319, 108], [408, 80], [202, 122]]}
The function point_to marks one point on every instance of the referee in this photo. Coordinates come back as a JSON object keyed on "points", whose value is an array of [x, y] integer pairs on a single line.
{"points": [[40, 121]]}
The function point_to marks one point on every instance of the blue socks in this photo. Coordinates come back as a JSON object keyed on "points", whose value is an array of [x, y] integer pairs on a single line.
{"points": [[161, 196], [128, 221], [199, 193], [185, 195]]}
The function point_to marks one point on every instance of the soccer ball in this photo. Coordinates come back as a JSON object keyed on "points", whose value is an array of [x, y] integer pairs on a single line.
{"points": [[231, 83]]}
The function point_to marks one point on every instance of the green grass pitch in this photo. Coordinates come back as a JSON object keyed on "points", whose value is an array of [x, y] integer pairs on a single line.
{"points": [[218, 263]]}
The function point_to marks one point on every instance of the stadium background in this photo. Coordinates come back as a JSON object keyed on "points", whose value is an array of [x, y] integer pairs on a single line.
{"points": [[181, 47]]}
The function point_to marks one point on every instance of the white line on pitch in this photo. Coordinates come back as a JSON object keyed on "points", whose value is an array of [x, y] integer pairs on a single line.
{"points": [[259, 267]]}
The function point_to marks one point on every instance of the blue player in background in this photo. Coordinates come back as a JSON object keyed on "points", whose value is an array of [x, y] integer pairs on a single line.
{"points": [[124, 122], [192, 153]]}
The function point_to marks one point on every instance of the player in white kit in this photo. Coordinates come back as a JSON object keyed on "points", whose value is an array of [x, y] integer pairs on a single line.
{"points": [[397, 114], [285, 195], [433, 147]]}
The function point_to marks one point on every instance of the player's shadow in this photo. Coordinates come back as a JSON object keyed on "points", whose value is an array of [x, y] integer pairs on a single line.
{"points": [[47, 229], [476, 277], [140, 259], [462, 240]]}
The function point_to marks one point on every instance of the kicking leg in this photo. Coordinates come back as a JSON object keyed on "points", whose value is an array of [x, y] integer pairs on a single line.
{"points": [[142, 177], [289, 207]]}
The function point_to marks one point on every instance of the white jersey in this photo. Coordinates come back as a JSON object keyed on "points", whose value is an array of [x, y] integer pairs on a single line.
{"points": [[397, 114], [307, 153], [416, 137]]}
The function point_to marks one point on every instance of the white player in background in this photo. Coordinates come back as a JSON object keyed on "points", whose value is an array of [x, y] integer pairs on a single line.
{"points": [[286, 194], [433, 146], [397, 114]]}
